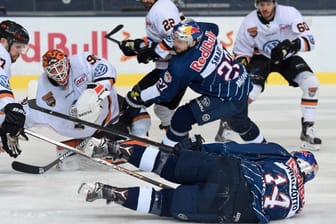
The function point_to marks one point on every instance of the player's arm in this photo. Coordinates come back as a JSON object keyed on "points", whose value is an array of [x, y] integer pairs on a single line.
{"points": [[303, 42]]}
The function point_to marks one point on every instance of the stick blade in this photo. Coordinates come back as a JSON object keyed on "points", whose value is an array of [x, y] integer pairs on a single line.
{"points": [[26, 168]]}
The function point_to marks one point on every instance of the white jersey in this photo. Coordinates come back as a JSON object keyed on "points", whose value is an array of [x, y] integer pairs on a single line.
{"points": [[160, 21], [6, 94], [257, 37], [84, 68]]}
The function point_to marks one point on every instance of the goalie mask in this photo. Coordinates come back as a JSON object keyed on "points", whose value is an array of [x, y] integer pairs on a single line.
{"points": [[56, 65], [307, 163], [187, 31]]}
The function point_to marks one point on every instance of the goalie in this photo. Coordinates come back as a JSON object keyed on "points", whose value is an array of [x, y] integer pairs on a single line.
{"points": [[82, 86]]}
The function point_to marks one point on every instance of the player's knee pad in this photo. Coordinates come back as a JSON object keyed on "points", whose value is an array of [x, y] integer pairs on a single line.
{"points": [[309, 84]]}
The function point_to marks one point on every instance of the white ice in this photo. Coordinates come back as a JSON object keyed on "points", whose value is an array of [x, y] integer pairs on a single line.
{"points": [[52, 197]]}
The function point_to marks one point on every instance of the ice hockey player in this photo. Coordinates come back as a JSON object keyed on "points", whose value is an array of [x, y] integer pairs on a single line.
{"points": [[202, 64], [14, 41], [273, 34], [161, 17], [222, 183], [82, 85]]}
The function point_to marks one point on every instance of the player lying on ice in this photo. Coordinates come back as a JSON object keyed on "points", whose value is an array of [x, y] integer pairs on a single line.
{"points": [[219, 182]]}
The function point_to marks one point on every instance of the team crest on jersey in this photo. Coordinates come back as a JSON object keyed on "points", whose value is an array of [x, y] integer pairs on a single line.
{"points": [[49, 99], [80, 80], [167, 77], [4, 81], [100, 70], [253, 31]]}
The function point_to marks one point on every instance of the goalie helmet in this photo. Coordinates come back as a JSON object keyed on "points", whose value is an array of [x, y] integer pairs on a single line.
{"points": [[307, 163], [56, 64], [13, 32], [188, 31]]}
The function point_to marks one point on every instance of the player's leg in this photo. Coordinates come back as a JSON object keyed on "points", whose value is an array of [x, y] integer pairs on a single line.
{"points": [[242, 124], [303, 77]]}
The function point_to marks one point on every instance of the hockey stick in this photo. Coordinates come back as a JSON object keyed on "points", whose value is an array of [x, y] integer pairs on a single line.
{"points": [[115, 30], [32, 103], [32, 169], [100, 161]]}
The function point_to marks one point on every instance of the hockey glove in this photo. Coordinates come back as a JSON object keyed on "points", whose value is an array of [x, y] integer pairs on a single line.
{"points": [[12, 128], [194, 143], [286, 47], [259, 75], [131, 47], [133, 98], [147, 54]]}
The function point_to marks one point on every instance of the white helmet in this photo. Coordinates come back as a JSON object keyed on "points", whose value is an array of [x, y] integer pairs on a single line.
{"points": [[56, 64]]}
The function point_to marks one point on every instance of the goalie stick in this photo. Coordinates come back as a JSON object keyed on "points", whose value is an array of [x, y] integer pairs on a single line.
{"points": [[32, 169], [32, 103], [100, 161]]}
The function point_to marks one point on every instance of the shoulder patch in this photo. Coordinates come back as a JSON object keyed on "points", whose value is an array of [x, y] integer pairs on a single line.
{"points": [[253, 31], [167, 77], [4, 81], [49, 99], [100, 70]]}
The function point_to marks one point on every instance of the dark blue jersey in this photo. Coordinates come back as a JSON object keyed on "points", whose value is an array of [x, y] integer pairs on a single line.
{"points": [[273, 175], [206, 68]]}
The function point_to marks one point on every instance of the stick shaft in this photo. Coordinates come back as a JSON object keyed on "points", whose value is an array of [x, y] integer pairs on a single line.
{"points": [[100, 161], [111, 130]]}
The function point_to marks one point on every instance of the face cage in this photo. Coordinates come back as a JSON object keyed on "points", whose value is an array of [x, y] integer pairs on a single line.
{"points": [[59, 71]]}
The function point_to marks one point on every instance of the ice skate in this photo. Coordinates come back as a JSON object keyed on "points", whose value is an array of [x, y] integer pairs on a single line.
{"points": [[224, 132], [103, 191], [310, 141]]}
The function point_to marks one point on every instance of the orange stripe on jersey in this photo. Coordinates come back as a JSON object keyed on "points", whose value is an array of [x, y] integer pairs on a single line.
{"points": [[309, 103], [163, 46], [306, 44], [6, 94], [141, 117]]}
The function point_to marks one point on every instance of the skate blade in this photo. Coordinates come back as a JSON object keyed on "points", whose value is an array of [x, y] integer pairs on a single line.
{"points": [[310, 147]]}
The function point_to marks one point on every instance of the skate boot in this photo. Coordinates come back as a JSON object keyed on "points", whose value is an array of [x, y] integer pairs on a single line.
{"points": [[310, 141], [103, 191], [224, 132]]}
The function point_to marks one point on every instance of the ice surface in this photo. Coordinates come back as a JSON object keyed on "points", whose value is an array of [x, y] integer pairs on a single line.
{"points": [[52, 197]]}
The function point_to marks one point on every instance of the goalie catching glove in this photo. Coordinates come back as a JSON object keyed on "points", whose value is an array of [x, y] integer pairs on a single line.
{"points": [[12, 128], [286, 47], [88, 106]]}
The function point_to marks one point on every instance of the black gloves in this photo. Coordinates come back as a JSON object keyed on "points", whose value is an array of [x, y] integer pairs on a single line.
{"points": [[131, 47], [283, 49], [12, 127], [133, 98], [193, 143], [147, 54]]}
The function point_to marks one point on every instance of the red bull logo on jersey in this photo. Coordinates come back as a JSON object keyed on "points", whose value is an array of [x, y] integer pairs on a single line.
{"points": [[206, 50]]}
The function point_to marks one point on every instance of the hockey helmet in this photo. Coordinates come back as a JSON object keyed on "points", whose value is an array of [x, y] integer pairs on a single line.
{"points": [[56, 64], [13, 32], [307, 163], [188, 31]]}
